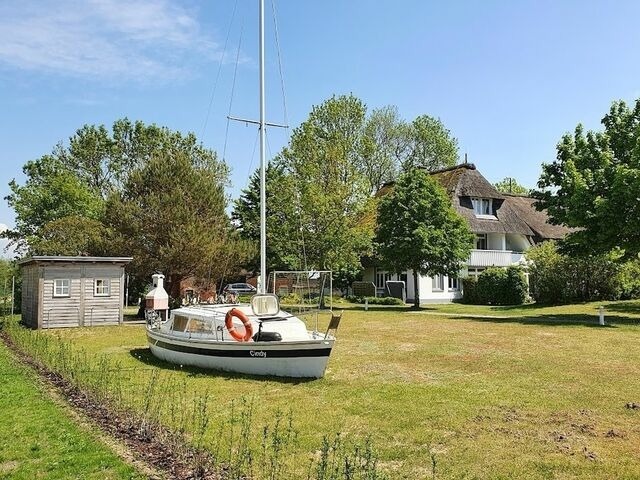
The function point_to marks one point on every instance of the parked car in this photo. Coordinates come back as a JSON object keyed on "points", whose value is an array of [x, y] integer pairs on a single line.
{"points": [[240, 288]]}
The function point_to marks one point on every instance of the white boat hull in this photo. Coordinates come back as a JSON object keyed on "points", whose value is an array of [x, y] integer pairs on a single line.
{"points": [[297, 359]]}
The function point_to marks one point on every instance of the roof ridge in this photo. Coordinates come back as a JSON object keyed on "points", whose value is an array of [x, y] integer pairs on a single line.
{"points": [[469, 166]]}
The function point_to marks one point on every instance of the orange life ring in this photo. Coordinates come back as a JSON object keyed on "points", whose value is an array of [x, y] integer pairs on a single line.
{"points": [[228, 322]]}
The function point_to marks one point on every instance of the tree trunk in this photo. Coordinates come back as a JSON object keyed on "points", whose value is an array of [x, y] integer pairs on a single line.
{"points": [[174, 287], [416, 293]]}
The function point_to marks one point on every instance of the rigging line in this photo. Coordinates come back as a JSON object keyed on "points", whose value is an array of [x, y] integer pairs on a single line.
{"points": [[215, 84], [253, 154], [284, 97], [233, 89]]}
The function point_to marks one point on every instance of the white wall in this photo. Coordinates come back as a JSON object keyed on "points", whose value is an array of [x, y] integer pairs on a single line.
{"points": [[496, 241]]}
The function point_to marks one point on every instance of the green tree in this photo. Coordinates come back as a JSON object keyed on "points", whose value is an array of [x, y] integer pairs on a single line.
{"points": [[51, 192], [170, 216], [74, 180], [72, 235], [511, 185], [385, 145], [431, 145], [419, 230], [284, 237], [331, 195], [594, 182]]}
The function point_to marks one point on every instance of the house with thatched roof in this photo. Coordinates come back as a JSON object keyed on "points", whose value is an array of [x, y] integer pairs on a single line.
{"points": [[505, 226]]}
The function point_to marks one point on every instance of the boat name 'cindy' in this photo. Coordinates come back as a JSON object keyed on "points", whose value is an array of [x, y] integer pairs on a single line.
{"points": [[258, 353]]}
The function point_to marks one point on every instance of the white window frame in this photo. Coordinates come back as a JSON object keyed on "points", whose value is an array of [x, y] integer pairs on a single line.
{"points": [[454, 284], [384, 276], [482, 236], [61, 287], [482, 206], [437, 283], [103, 290]]}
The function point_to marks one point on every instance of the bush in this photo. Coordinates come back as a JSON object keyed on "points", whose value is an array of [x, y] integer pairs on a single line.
{"points": [[629, 280], [558, 278], [496, 286], [518, 288], [470, 291], [502, 286], [376, 300]]}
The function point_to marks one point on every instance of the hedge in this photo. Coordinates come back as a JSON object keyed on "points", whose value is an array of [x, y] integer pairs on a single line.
{"points": [[496, 286]]}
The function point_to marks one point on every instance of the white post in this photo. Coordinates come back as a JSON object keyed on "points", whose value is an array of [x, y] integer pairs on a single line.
{"points": [[366, 304], [263, 187], [601, 314]]}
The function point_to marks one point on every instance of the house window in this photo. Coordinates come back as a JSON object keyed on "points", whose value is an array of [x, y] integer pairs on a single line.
{"points": [[101, 287], [437, 283], [61, 287], [482, 206], [454, 283], [481, 241], [475, 272], [381, 278]]}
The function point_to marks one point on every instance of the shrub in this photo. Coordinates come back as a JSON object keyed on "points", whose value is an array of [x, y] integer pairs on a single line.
{"points": [[629, 280], [470, 291], [496, 286], [558, 278], [376, 300], [518, 288], [547, 278]]}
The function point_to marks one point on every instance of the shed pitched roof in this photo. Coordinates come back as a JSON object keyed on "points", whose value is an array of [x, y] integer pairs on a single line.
{"points": [[72, 259]]}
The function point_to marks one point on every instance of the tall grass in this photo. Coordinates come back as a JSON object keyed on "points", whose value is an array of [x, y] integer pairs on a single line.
{"points": [[160, 405]]}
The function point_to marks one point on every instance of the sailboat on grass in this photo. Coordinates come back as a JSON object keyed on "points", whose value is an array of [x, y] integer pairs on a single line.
{"points": [[255, 339]]}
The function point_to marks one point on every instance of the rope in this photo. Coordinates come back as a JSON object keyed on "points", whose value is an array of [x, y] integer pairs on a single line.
{"points": [[284, 97], [215, 85], [233, 88]]}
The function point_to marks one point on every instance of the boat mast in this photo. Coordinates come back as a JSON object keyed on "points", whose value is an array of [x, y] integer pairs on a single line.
{"points": [[263, 193]]}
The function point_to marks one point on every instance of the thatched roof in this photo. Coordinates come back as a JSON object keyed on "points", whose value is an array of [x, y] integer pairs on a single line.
{"points": [[538, 221], [514, 214], [465, 180]]}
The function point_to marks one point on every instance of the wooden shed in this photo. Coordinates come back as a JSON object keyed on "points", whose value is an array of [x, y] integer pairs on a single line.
{"points": [[72, 291]]}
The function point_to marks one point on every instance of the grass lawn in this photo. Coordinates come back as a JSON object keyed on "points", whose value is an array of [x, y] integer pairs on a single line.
{"points": [[38, 440], [542, 394]]}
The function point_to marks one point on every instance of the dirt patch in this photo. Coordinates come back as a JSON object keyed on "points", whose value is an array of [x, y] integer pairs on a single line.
{"points": [[154, 450], [7, 467]]}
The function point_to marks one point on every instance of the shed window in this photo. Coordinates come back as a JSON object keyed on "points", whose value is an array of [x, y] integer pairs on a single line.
{"points": [[61, 287], [102, 287]]}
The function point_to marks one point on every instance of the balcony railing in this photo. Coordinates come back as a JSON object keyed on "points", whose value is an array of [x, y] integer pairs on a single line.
{"points": [[494, 258]]}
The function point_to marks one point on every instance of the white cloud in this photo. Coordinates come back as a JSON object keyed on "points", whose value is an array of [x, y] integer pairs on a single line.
{"points": [[134, 39]]}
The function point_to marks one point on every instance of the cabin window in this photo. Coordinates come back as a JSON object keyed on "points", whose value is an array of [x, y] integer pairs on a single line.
{"points": [[101, 287], [481, 241], [482, 206], [61, 287], [179, 323], [437, 283], [197, 325], [454, 283]]}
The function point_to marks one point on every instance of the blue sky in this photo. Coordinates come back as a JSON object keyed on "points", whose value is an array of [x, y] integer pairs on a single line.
{"points": [[508, 78]]}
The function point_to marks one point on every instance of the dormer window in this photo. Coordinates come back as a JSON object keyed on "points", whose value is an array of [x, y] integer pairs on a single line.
{"points": [[482, 206]]}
